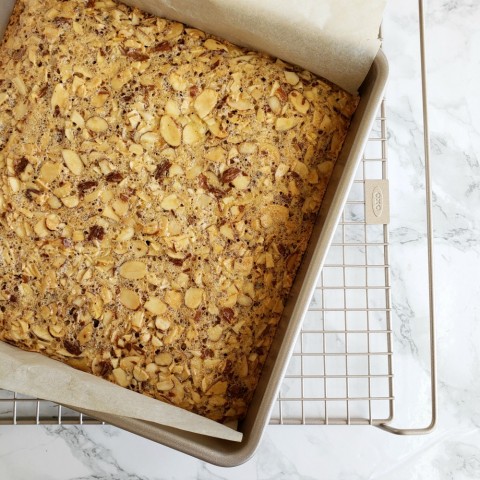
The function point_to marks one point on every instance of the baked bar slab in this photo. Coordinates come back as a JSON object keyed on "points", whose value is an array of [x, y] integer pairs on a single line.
{"points": [[158, 187]]}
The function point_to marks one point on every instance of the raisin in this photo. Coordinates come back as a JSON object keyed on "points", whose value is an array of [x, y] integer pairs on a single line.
{"points": [[73, 347], [177, 261], [105, 368], [161, 170], [20, 165], [193, 91], [59, 21], [114, 177], [205, 185], [18, 54], [227, 314], [96, 233], [162, 47], [66, 242], [31, 191], [230, 174], [42, 92], [282, 94], [135, 54], [87, 185]]}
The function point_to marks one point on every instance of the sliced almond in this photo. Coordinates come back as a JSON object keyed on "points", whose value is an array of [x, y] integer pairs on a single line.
{"points": [[64, 191], [286, 123], [301, 169], [299, 102], [71, 202], [99, 100], [174, 299], [170, 131], [59, 97], [73, 161], [121, 377], [54, 202], [218, 388], [138, 319], [165, 385], [52, 221], [241, 182], [42, 333], [274, 104], [139, 374], [56, 331], [139, 248], [205, 102], [248, 148], [49, 171], [164, 359], [96, 307], [175, 29], [77, 119], [40, 229], [85, 334], [97, 124], [192, 134], [156, 306], [216, 154], [120, 207], [325, 168], [211, 44], [14, 183], [162, 323], [170, 202], [193, 297], [226, 231], [171, 108], [177, 81], [129, 299], [291, 77], [215, 333], [126, 234], [242, 103], [20, 85], [133, 270]]}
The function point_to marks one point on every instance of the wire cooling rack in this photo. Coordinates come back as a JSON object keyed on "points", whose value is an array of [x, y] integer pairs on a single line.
{"points": [[341, 370]]}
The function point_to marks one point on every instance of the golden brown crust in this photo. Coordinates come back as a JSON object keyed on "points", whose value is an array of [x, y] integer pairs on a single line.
{"points": [[158, 188]]}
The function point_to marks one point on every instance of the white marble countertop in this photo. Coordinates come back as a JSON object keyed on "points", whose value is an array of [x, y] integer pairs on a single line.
{"points": [[288, 452]]}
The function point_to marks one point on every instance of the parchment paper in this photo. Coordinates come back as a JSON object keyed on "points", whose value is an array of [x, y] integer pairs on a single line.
{"points": [[336, 39], [38, 376]]}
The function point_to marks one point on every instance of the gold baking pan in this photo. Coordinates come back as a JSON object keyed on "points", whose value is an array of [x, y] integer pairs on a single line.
{"points": [[229, 454], [222, 452]]}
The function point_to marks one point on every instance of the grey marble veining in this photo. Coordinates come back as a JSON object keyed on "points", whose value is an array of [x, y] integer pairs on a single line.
{"points": [[358, 453]]}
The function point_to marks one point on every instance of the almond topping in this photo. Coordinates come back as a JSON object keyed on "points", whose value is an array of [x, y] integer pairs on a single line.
{"points": [[133, 270], [170, 131], [193, 297], [129, 299], [73, 161], [205, 102], [156, 306], [97, 124]]}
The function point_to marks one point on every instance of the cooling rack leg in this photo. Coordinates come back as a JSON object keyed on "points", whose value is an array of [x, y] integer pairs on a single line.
{"points": [[428, 195]]}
